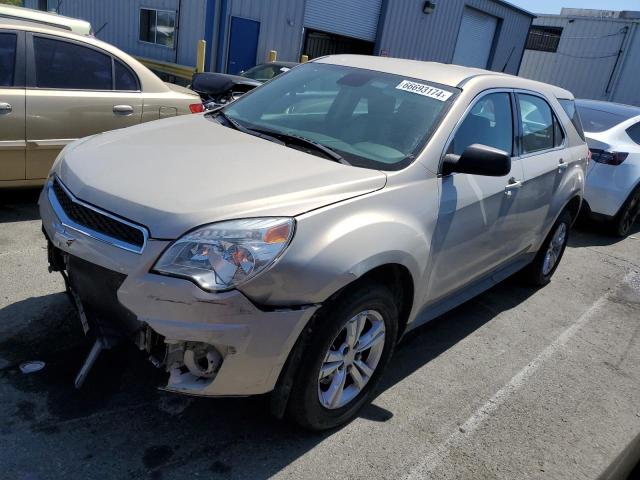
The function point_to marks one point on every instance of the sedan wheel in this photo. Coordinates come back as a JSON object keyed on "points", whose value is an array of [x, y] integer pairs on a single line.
{"points": [[629, 214], [351, 359]]}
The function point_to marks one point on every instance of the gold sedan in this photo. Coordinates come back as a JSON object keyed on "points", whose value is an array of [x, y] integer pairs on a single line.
{"points": [[57, 86]]}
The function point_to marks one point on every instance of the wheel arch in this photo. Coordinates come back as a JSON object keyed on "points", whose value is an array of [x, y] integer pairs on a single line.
{"points": [[395, 276]]}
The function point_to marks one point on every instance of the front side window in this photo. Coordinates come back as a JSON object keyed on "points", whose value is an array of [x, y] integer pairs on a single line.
{"points": [[64, 65], [372, 119], [7, 58], [490, 123], [537, 123], [158, 26]]}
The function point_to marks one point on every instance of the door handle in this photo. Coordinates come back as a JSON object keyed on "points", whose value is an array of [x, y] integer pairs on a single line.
{"points": [[511, 186], [5, 108], [123, 109], [562, 165]]}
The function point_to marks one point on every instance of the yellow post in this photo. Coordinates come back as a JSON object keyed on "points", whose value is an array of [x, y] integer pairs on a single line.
{"points": [[304, 58], [273, 56], [202, 51]]}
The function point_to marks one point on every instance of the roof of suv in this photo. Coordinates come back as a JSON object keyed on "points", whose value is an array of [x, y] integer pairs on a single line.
{"points": [[75, 25], [445, 74]]}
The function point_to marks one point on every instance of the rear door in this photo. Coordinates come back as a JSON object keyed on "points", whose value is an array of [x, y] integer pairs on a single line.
{"points": [[12, 105], [544, 156], [73, 90], [478, 218]]}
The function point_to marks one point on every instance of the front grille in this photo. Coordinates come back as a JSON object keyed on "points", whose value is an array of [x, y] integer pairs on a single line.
{"points": [[97, 221]]}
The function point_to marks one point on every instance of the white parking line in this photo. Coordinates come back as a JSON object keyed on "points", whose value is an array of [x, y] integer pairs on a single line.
{"points": [[425, 468]]}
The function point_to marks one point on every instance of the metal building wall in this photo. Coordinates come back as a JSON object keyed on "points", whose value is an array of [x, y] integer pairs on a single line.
{"points": [[280, 26], [586, 57], [122, 29], [627, 86], [409, 33]]}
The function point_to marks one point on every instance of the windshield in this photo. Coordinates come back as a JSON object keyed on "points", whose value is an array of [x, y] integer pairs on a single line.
{"points": [[263, 73], [372, 119]]}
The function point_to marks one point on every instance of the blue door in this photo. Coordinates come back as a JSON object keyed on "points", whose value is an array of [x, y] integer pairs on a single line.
{"points": [[243, 45]]}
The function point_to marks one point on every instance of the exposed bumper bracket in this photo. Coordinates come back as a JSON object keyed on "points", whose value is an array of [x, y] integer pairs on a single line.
{"points": [[98, 346]]}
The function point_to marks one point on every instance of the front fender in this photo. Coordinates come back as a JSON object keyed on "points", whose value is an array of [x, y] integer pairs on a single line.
{"points": [[335, 245]]}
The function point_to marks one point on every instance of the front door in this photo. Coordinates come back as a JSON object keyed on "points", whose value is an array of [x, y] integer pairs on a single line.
{"points": [[243, 45], [12, 106], [476, 228], [72, 93]]}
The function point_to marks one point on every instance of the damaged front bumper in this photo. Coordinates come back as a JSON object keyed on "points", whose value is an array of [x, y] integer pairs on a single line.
{"points": [[211, 344]]}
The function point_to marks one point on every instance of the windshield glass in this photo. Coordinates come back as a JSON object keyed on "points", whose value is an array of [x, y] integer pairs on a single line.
{"points": [[263, 73], [372, 119]]}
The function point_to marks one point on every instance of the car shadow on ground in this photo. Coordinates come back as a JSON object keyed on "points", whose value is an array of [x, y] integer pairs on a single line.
{"points": [[17, 205], [119, 408], [598, 234]]}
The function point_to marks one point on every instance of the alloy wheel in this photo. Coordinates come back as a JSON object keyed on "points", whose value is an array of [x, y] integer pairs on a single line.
{"points": [[630, 215], [351, 359], [555, 249]]}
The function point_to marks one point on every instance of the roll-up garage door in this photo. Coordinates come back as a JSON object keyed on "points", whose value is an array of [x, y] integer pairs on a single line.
{"points": [[475, 39], [351, 18]]}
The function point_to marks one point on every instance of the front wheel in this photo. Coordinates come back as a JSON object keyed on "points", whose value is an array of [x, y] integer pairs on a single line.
{"points": [[351, 344], [540, 271]]}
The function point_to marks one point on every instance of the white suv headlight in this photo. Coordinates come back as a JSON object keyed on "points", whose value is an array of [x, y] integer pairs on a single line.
{"points": [[223, 255]]}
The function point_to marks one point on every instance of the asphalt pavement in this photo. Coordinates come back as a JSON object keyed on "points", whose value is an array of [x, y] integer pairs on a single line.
{"points": [[517, 383]]}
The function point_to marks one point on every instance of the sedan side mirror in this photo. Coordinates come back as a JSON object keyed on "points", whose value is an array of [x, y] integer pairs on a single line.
{"points": [[478, 160]]}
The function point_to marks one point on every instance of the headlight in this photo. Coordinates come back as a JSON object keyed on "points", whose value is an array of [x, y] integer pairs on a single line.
{"points": [[222, 255]]}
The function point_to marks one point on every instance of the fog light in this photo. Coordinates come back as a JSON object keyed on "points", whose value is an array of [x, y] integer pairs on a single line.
{"points": [[202, 360]]}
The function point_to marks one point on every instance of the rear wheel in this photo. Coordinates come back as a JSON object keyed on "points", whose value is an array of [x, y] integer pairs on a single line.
{"points": [[628, 215], [540, 271], [353, 340]]}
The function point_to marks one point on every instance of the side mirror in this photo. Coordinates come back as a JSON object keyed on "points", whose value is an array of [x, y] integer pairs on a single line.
{"points": [[478, 160]]}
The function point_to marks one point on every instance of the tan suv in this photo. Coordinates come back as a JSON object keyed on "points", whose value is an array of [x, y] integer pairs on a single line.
{"points": [[57, 86]]}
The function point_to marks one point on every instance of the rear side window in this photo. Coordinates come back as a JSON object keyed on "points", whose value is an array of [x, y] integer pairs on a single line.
{"points": [[569, 106], [490, 123], [124, 78], [598, 120], [7, 58], [634, 132], [65, 65], [538, 124]]}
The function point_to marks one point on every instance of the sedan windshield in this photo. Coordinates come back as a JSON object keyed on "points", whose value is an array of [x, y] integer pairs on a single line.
{"points": [[369, 118]]}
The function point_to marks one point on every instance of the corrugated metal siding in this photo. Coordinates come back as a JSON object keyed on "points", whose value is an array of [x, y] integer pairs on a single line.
{"points": [[122, 19], [626, 89], [355, 18], [408, 33], [585, 58], [280, 26]]}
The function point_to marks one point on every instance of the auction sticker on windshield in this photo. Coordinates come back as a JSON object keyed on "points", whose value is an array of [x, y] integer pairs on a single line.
{"points": [[425, 90]]}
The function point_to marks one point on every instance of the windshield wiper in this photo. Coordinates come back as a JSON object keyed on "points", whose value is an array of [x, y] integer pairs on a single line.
{"points": [[290, 138], [241, 128]]}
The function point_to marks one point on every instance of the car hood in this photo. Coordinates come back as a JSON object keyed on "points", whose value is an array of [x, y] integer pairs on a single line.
{"points": [[175, 174]]}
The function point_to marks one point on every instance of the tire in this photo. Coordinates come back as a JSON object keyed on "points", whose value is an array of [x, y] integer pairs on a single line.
{"points": [[628, 215], [539, 272], [311, 404]]}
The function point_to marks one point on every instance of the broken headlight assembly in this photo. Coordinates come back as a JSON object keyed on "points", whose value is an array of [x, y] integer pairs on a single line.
{"points": [[223, 255]]}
